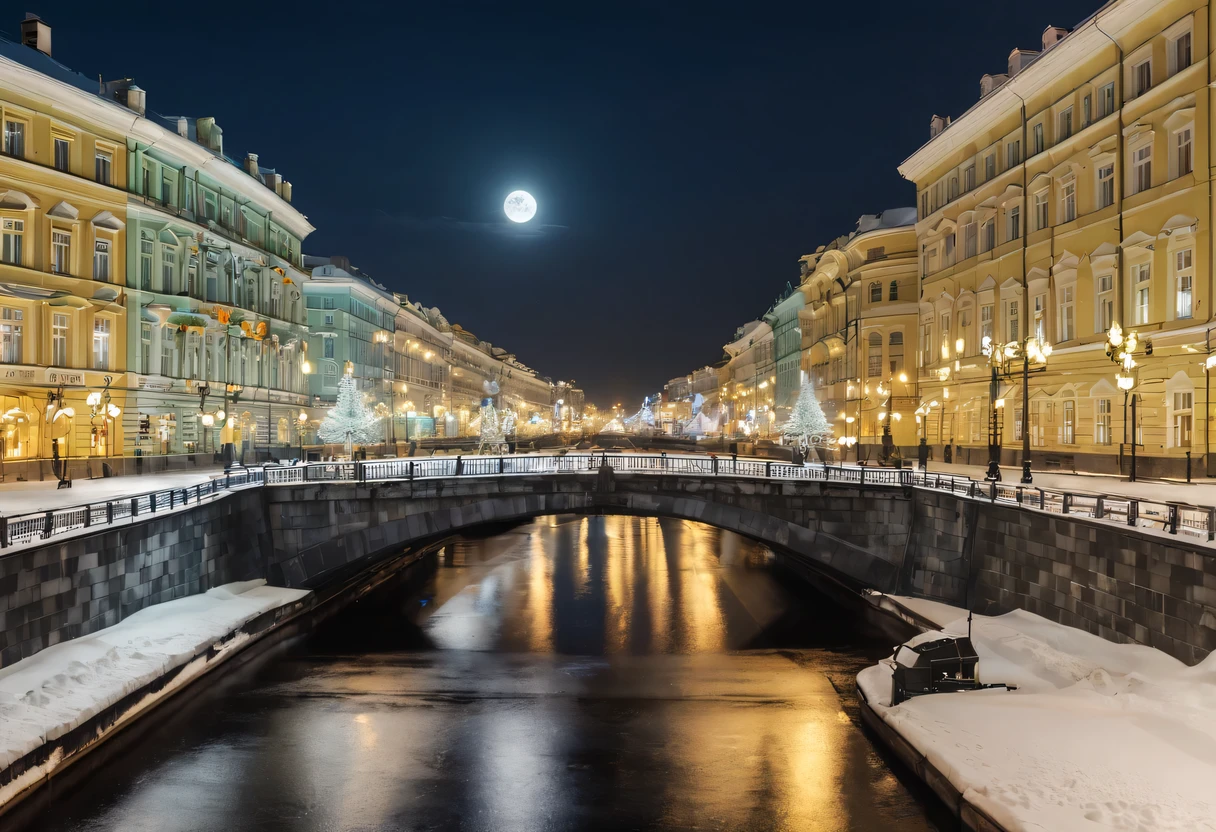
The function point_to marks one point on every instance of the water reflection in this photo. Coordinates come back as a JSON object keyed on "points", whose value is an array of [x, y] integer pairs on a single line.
{"points": [[575, 673]]}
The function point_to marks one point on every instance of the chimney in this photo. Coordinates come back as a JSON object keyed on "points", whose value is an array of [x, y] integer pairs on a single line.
{"points": [[183, 127], [251, 165], [36, 34], [274, 181], [136, 99], [1053, 35], [988, 83], [209, 134], [937, 124], [286, 193], [1018, 58]]}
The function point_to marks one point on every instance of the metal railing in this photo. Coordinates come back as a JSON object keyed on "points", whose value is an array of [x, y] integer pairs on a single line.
{"points": [[1172, 517], [16, 529]]}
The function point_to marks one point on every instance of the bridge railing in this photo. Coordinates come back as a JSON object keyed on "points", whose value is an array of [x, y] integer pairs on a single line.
{"points": [[1173, 517], [16, 529]]}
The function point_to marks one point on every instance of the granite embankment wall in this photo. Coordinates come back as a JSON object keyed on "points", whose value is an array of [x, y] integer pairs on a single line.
{"points": [[76, 586]]}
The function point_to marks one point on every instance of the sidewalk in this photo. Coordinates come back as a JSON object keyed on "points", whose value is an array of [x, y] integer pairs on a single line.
{"points": [[26, 497], [1201, 492]]}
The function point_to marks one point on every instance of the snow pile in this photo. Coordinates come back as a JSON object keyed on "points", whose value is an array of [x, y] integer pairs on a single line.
{"points": [[1098, 735], [54, 691]]}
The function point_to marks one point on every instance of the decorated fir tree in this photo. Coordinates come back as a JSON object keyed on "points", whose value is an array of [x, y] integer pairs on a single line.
{"points": [[349, 421], [807, 425]]}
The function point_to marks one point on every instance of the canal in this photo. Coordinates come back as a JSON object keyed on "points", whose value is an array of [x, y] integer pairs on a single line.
{"points": [[574, 673]]}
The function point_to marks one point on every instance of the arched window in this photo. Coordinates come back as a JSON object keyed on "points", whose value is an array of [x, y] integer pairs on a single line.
{"points": [[875, 292], [874, 354], [895, 352], [894, 293]]}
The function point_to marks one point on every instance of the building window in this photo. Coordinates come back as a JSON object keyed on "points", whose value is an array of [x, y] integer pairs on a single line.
{"points": [[63, 154], [944, 332], [1183, 156], [1015, 222], [895, 351], [989, 235], [1106, 100], [276, 298], [14, 138], [1102, 413], [166, 187], [893, 290], [1038, 138], [1087, 110], [12, 325], [1068, 434], [1183, 402], [1068, 201], [875, 292], [102, 163], [13, 239], [964, 330], [986, 322], [211, 276], [1065, 124], [59, 340], [1017, 423], [874, 355], [209, 207], [145, 348], [1184, 279], [1011, 321], [329, 318], [1068, 328], [1142, 280], [1040, 318], [1142, 78], [926, 343], [327, 303], [1106, 301], [1041, 220], [1106, 185], [1180, 53], [969, 178], [989, 166], [1013, 153], [145, 262], [167, 353], [101, 260], [969, 240], [168, 269], [953, 188], [101, 343], [61, 251]]}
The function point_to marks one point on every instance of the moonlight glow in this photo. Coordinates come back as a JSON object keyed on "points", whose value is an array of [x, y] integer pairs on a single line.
{"points": [[519, 206]]}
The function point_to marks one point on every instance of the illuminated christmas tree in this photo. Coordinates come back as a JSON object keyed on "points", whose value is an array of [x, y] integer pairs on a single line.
{"points": [[807, 425], [349, 421]]}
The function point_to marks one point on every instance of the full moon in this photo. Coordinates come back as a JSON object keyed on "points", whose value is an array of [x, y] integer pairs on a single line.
{"points": [[519, 206]]}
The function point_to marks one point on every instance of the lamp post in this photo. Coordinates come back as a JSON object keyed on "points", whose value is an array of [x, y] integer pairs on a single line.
{"points": [[301, 421], [1033, 350], [55, 411], [1122, 349], [922, 418]]}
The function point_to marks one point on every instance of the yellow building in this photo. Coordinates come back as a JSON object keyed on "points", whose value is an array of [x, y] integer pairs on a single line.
{"points": [[62, 266], [860, 317], [1072, 196]]}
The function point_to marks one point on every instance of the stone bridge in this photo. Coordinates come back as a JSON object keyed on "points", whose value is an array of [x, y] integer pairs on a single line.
{"points": [[855, 535]]}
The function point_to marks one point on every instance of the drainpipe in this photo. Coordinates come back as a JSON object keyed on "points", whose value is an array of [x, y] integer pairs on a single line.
{"points": [[1025, 317]]}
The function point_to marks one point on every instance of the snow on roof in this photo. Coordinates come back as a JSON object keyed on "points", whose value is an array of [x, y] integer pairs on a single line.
{"points": [[40, 62], [891, 218]]}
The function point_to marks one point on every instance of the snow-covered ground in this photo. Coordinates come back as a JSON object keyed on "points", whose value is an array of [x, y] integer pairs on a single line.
{"points": [[52, 692], [1098, 736], [24, 497]]}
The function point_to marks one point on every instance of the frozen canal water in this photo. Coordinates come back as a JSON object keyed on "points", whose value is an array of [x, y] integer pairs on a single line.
{"points": [[576, 673]]}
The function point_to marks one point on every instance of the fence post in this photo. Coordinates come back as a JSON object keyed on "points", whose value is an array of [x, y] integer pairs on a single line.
{"points": [[411, 470], [768, 468], [1173, 519], [152, 501], [88, 516], [109, 513], [172, 499], [1211, 524], [1042, 500], [1066, 504], [862, 478], [1099, 508], [50, 524], [1133, 512], [1019, 495], [134, 506], [500, 465], [992, 490], [4, 532]]}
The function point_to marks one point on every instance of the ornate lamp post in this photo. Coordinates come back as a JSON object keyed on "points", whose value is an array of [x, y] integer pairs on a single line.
{"points": [[1002, 358], [1122, 349], [922, 419]]}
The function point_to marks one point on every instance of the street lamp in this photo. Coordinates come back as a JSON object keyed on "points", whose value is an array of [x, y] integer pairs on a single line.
{"points": [[1001, 358], [1121, 349], [922, 418]]}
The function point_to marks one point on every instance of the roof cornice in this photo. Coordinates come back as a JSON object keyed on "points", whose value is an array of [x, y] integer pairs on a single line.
{"points": [[1115, 19], [66, 100]]}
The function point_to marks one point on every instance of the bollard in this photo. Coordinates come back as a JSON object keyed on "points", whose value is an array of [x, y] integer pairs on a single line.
{"points": [[1188, 466]]}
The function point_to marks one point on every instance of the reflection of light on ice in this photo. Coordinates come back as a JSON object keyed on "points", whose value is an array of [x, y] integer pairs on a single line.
{"points": [[470, 620]]}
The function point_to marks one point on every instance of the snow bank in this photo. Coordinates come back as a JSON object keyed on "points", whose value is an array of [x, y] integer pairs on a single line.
{"points": [[54, 691], [1098, 736]]}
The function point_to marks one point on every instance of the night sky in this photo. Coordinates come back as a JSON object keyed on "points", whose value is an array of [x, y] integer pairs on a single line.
{"points": [[684, 155]]}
